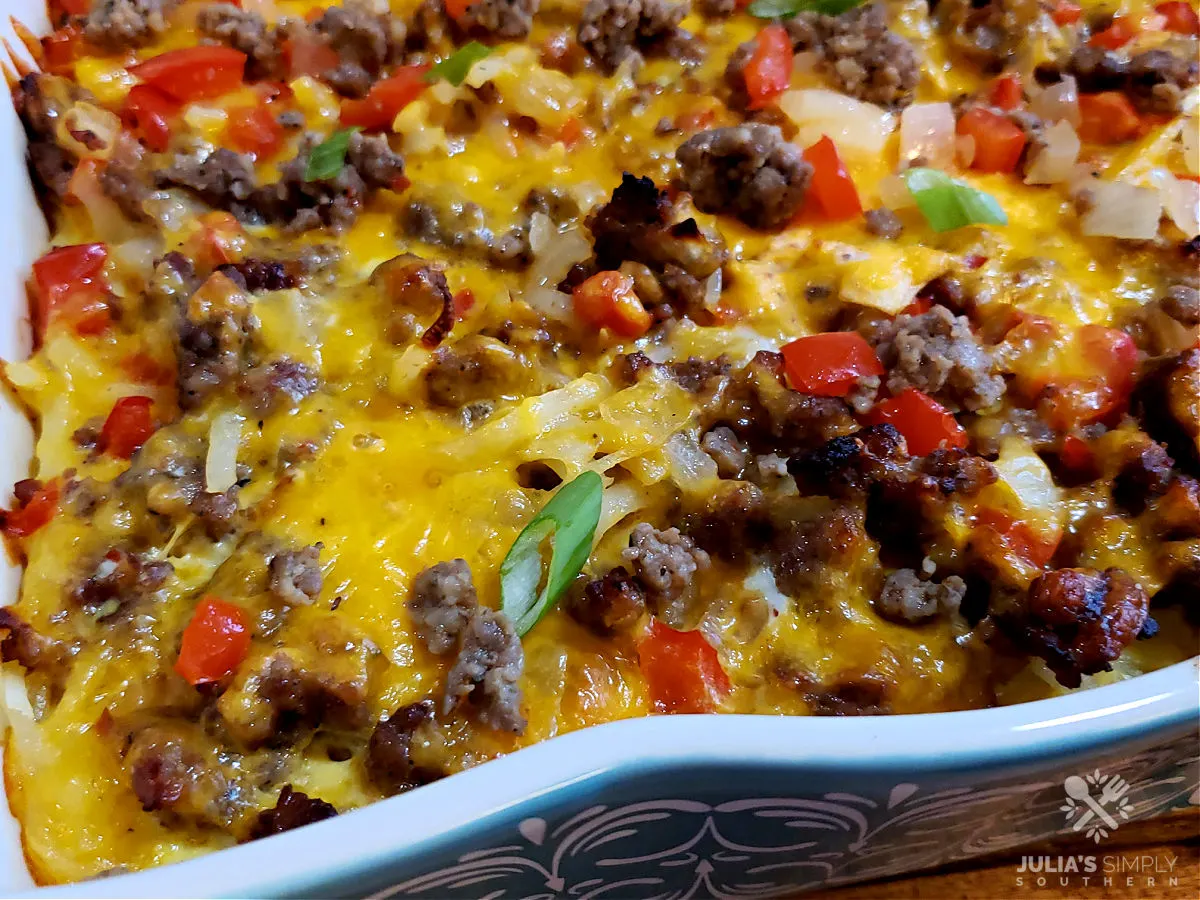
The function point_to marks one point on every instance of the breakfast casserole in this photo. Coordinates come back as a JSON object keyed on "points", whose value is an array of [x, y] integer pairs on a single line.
{"points": [[413, 383]]}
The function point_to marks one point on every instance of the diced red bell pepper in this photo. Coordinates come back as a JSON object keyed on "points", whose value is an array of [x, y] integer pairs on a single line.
{"points": [[61, 48], [1116, 35], [1101, 391], [1017, 537], [70, 7], [464, 302], [1115, 356], [769, 69], [214, 643], [254, 129], [608, 300], [308, 56], [71, 287], [220, 239], [682, 670], [1006, 92], [925, 423], [35, 507], [194, 73], [1180, 16], [386, 98], [832, 189], [147, 113], [145, 369], [829, 364], [1108, 118], [1066, 12], [1075, 454], [127, 427], [456, 9], [998, 141]]}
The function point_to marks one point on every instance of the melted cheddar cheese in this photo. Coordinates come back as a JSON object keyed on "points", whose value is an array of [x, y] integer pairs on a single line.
{"points": [[373, 462]]}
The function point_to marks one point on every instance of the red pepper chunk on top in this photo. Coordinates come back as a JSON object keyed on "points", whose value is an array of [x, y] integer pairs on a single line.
{"points": [[1180, 17], [608, 300], [35, 506], [682, 670], [127, 427], [769, 70], [71, 286], [829, 364], [925, 423], [194, 73], [386, 98], [831, 191], [998, 141], [214, 642]]}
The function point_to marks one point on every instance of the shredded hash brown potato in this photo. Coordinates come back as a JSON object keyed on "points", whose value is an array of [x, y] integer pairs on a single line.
{"points": [[865, 346]]}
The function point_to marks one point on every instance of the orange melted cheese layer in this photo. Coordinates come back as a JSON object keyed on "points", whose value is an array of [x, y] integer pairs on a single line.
{"points": [[396, 487]]}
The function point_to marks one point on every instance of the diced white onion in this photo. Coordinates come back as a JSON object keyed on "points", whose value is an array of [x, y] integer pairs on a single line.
{"points": [[100, 128], [803, 63], [762, 581], [560, 251], [541, 229], [106, 216], [691, 468], [1054, 159], [137, 255], [1191, 145], [964, 150], [1058, 103], [550, 303], [265, 8], [1121, 210], [927, 134], [173, 210], [201, 118], [712, 291], [855, 127], [1030, 484], [894, 193], [1181, 200], [220, 466]]}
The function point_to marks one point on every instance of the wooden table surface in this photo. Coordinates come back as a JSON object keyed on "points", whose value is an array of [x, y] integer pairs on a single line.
{"points": [[1170, 843]]}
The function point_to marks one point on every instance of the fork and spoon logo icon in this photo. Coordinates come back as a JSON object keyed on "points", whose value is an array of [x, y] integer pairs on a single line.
{"points": [[1095, 802]]}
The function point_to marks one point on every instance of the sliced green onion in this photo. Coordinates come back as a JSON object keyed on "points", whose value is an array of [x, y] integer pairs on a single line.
{"points": [[785, 9], [327, 158], [947, 203], [455, 67], [569, 520]]}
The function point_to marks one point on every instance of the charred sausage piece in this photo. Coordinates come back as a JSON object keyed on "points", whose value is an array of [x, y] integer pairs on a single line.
{"points": [[174, 772], [1078, 620], [389, 761], [611, 603], [293, 809]]}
